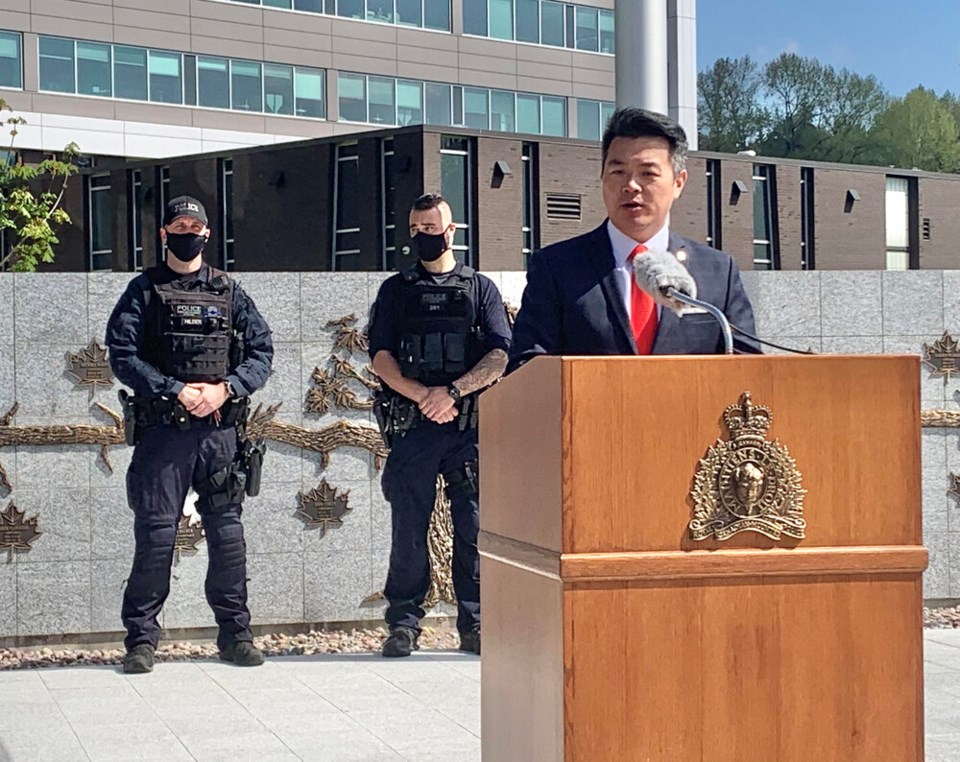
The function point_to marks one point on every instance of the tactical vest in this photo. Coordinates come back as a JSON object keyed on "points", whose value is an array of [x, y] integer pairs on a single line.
{"points": [[439, 336], [191, 330]]}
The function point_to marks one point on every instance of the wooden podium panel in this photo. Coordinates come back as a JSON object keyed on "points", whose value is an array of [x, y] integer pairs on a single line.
{"points": [[609, 634]]}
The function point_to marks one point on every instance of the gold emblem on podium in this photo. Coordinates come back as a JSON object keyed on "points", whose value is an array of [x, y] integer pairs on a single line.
{"points": [[747, 483]]}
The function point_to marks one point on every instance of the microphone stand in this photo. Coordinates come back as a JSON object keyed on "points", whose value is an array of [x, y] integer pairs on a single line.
{"points": [[672, 293]]}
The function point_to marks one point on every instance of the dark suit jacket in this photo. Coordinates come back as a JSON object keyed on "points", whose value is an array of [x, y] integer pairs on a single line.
{"points": [[572, 304]]}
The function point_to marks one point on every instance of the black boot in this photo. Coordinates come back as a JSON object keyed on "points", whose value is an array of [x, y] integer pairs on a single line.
{"points": [[138, 660], [242, 653], [470, 641], [402, 642]]}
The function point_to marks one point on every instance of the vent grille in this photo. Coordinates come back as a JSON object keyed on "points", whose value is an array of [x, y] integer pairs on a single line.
{"points": [[563, 206], [926, 228]]}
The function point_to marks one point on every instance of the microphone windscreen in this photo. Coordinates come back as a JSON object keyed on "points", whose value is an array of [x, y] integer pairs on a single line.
{"points": [[655, 272]]}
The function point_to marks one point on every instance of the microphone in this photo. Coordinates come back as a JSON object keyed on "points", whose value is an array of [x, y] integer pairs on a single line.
{"points": [[662, 276]]}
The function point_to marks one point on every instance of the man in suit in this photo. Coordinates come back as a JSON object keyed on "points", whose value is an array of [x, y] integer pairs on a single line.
{"points": [[581, 298]]}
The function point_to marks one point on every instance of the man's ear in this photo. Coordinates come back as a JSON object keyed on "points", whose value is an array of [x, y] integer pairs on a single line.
{"points": [[163, 236]]}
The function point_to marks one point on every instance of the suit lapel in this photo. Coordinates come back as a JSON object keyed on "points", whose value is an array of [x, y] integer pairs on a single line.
{"points": [[601, 257]]}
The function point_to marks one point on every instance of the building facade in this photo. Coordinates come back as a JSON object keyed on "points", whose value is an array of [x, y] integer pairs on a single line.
{"points": [[333, 204]]}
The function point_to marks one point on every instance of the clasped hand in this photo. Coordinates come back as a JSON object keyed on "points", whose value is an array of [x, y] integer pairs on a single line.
{"points": [[437, 405], [202, 399]]}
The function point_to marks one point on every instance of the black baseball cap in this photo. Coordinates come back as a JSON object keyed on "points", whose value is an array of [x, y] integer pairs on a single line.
{"points": [[184, 206]]}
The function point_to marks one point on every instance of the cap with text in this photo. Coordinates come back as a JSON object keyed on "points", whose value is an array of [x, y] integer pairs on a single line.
{"points": [[184, 206]]}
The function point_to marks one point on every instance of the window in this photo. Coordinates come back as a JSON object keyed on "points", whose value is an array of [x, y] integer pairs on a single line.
{"points": [[308, 88], [383, 104], [135, 223], [11, 65], [428, 14], [436, 15], [409, 102], [714, 210], [476, 108], [807, 222], [351, 9], [100, 222], [227, 257], [130, 73], [547, 22], [456, 184], [388, 189], [57, 68], [528, 114], [588, 31], [898, 223], [765, 249], [162, 199], [502, 107], [246, 86], [554, 116], [500, 19], [380, 10], [437, 98], [166, 85], [353, 97], [94, 70], [278, 89], [213, 82], [409, 13], [531, 194], [592, 117], [346, 204]]}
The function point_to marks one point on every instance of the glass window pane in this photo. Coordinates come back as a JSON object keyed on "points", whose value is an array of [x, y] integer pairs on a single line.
{"points": [[476, 108], [10, 61], [312, 6], [189, 79], [528, 20], [380, 10], [587, 35], [348, 196], [93, 69], [409, 102], [475, 17], [528, 113], [408, 13], [382, 100], [502, 106], [165, 85], [897, 212], [453, 183], [308, 86], [606, 111], [213, 81], [551, 23], [606, 32], [569, 28], [554, 116], [276, 3], [130, 73], [56, 65], [353, 97], [278, 89], [436, 14], [246, 86], [352, 9], [588, 120], [101, 217], [438, 104], [501, 19]]}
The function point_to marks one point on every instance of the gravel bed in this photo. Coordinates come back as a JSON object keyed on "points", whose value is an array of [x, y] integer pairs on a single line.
{"points": [[942, 618], [314, 642]]}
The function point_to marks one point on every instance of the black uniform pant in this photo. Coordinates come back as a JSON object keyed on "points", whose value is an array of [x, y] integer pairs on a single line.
{"points": [[166, 463], [409, 483]]}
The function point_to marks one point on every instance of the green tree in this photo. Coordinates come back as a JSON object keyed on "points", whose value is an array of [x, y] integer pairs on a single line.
{"points": [[730, 116], [30, 201], [918, 131]]}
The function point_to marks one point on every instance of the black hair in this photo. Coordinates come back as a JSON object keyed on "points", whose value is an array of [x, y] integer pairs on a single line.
{"points": [[632, 122]]}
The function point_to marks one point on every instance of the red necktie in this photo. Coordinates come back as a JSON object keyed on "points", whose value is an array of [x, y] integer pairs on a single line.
{"points": [[643, 311]]}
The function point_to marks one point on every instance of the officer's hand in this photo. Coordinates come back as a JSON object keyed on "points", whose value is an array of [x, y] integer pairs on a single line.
{"points": [[436, 403], [450, 415], [211, 398], [189, 396]]}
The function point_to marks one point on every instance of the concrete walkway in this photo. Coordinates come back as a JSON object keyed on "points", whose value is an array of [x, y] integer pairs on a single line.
{"points": [[332, 708]]}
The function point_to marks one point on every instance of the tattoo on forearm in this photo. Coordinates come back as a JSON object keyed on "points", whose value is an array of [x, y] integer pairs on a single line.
{"points": [[484, 373]]}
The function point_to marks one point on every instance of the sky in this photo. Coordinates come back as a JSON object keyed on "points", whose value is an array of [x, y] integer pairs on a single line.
{"points": [[903, 44]]}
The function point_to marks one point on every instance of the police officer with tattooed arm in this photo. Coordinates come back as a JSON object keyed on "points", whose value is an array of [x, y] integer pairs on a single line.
{"points": [[438, 336], [191, 345]]}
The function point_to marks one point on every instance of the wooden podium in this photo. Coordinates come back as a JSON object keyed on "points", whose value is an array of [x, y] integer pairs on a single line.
{"points": [[610, 635]]}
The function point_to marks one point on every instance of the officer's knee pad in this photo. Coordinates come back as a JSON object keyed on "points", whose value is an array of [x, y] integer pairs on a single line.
{"points": [[463, 481], [154, 546]]}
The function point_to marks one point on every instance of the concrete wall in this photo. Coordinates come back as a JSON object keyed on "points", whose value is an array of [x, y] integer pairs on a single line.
{"points": [[71, 581]]}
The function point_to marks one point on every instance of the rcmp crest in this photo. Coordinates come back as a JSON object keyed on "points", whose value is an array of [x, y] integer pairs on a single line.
{"points": [[747, 483]]}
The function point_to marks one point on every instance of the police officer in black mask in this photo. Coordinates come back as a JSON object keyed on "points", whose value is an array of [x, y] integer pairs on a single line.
{"points": [[191, 345], [438, 336]]}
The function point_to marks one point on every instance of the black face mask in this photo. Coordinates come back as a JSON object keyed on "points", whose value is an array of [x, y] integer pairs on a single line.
{"points": [[185, 246], [429, 248]]}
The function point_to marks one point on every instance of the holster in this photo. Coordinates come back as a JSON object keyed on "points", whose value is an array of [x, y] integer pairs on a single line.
{"points": [[395, 415]]}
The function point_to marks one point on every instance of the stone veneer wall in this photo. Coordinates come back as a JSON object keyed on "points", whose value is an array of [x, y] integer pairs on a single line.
{"points": [[71, 581]]}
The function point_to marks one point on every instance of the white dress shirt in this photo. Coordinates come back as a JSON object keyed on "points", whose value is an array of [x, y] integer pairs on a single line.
{"points": [[623, 245]]}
